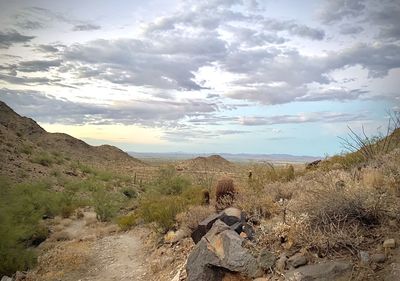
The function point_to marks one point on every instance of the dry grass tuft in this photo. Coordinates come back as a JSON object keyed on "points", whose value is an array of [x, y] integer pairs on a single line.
{"points": [[224, 193], [373, 178], [192, 217]]}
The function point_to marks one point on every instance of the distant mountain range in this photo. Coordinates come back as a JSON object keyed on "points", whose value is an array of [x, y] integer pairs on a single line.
{"points": [[240, 157]]}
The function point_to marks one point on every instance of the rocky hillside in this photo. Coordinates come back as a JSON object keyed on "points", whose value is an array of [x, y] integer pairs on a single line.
{"points": [[28, 151]]}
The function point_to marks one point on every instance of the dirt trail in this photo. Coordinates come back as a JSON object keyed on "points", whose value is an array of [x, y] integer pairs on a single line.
{"points": [[101, 254], [117, 257]]}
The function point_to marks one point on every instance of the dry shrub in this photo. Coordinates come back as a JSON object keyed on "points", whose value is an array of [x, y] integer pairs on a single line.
{"points": [[373, 178], [224, 193], [337, 218], [205, 195], [60, 260], [61, 236], [257, 205], [192, 217]]}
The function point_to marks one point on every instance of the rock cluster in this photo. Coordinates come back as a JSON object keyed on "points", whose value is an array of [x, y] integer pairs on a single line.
{"points": [[219, 252]]}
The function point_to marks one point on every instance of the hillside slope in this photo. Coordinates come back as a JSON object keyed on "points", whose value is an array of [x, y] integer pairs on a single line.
{"points": [[210, 163], [28, 151]]}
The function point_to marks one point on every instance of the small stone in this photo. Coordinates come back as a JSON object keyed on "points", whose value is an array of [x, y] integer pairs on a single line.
{"points": [[389, 243], [378, 258], [243, 235], [297, 260], [364, 257], [322, 271], [281, 263], [20, 276], [266, 259]]}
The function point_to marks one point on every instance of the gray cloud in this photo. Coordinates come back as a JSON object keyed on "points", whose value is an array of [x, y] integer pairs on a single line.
{"points": [[325, 117], [86, 27], [46, 108], [168, 63], [8, 38], [171, 50], [48, 48], [27, 80], [336, 11], [32, 18], [359, 15], [351, 29], [37, 65], [294, 28]]}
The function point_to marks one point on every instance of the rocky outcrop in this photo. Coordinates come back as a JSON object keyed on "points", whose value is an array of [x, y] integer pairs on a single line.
{"points": [[232, 217], [220, 251]]}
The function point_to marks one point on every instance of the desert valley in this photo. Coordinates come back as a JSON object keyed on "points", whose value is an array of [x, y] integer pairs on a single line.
{"points": [[200, 140]]}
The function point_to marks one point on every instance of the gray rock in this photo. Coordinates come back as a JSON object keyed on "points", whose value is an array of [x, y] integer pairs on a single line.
{"points": [[266, 259], [204, 226], [364, 257], [327, 271], [19, 276], [378, 258], [6, 278], [230, 216], [297, 260], [218, 251]]}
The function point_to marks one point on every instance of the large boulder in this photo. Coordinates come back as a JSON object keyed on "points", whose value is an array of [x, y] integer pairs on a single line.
{"points": [[230, 216], [220, 251], [327, 271]]}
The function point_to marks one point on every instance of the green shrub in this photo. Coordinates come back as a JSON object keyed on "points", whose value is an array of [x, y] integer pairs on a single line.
{"points": [[83, 168], [106, 204], [21, 208], [43, 159], [128, 221], [104, 175], [26, 149], [161, 209], [130, 192], [169, 183]]}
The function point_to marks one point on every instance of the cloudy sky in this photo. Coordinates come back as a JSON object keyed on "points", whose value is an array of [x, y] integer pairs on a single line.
{"points": [[235, 76]]}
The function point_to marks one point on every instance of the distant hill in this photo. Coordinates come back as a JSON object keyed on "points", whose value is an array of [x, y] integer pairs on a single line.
{"points": [[242, 157], [26, 149], [210, 163]]}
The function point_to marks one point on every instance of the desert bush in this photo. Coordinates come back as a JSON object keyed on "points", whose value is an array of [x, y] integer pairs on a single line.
{"points": [[257, 205], [21, 208], [106, 204], [370, 147], [373, 178], [104, 175], [128, 221], [130, 192], [26, 149], [169, 183], [337, 218], [224, 193], [193, 216], [43, 159], [344, 160], [78, 166], [161, 209]]}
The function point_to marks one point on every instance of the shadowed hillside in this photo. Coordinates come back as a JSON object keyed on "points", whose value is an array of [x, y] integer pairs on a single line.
{"points": [[28, 150]]}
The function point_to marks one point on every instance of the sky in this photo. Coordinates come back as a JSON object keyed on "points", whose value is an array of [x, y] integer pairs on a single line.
{"points": [[233, 76]]}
